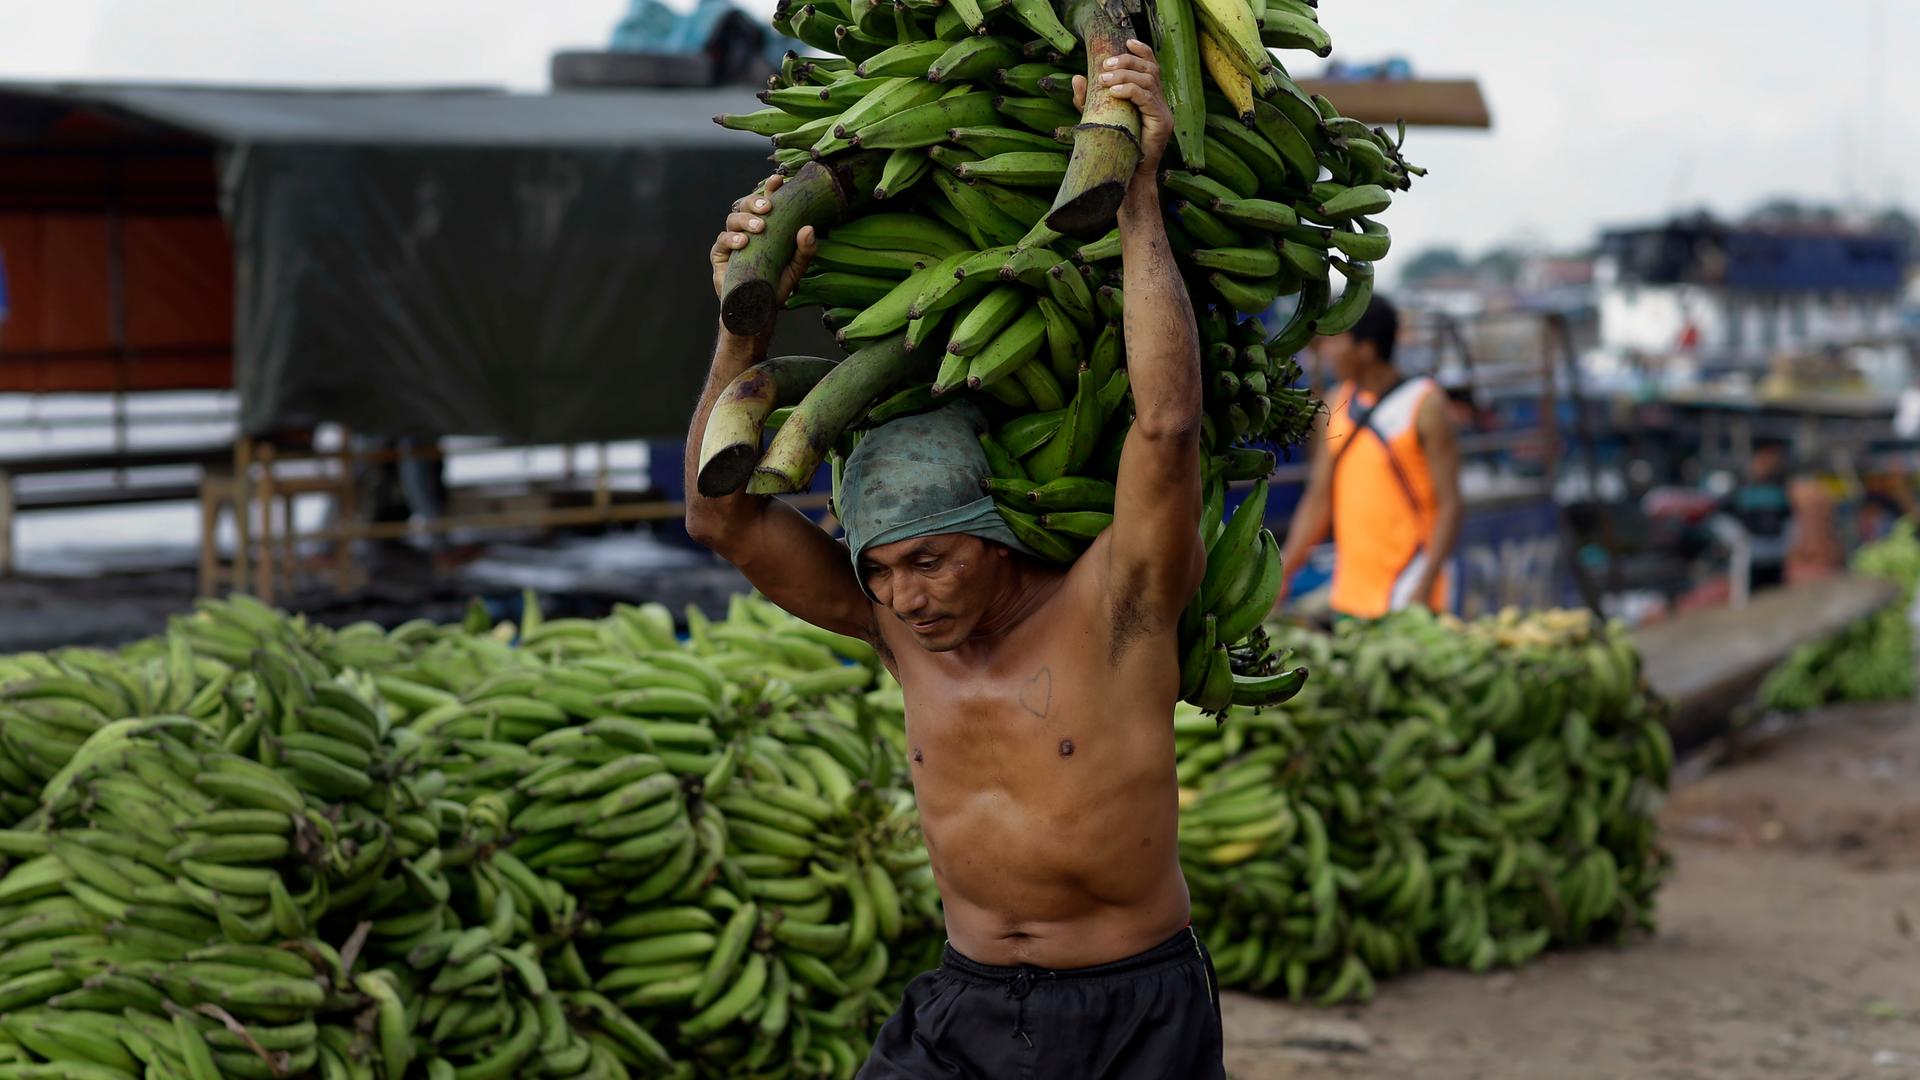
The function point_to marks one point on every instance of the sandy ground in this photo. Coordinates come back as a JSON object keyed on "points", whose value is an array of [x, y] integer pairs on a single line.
{"points": [[1789, 946]]}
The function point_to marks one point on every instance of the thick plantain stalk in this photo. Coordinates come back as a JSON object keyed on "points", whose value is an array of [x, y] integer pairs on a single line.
{"points": [[831, 407], [731, 444], [818, 195], [1106, 144]]}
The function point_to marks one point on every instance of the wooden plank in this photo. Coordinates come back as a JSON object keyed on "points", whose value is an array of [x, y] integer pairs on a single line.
{"points": [[530, 518], [1707, 663], [1427, 102], [205, 456], [82, 498]]}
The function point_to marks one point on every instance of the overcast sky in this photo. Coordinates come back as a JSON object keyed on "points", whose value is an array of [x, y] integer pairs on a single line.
{"points": [[1603, 113]]}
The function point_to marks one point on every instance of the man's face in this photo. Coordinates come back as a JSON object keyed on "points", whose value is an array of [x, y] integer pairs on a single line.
{"points": [[938, 586], [1344, 356]]}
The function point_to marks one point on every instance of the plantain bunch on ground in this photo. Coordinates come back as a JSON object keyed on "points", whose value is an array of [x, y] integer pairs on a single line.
{"points": [[1872, 660], [967, 210], [1451, 794], [580, 849]]}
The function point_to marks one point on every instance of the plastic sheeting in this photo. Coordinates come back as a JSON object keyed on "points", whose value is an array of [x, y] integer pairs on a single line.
{"points": [[530, 294]]}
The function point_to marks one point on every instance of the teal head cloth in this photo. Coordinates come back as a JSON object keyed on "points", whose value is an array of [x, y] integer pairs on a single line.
{"points": [[920, 476]]}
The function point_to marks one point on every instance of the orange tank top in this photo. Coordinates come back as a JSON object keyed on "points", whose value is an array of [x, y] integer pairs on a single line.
{"points": [[1382, 518]]}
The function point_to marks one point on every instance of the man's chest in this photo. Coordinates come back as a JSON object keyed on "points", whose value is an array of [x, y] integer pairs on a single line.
{"points": [[1044, 752], [997, 727]]}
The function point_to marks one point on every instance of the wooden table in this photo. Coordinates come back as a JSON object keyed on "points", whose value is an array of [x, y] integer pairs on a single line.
{"points": [[121, 489]]}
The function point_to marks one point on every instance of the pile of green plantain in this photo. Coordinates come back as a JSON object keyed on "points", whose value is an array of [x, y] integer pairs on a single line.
{"points": [[967, 214], [257, 849], [260, 848], [1451, 794], [1872, 660]]}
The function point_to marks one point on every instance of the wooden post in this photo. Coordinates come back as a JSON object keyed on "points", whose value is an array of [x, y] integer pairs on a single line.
{"points": [[209, 533], [264, 572], [6, 524], [346, 505], [242, 506], [1554, 332], [289, 535]]}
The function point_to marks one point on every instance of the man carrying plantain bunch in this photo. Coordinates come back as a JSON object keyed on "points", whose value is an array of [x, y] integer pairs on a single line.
{"points": [[1039, 698]]}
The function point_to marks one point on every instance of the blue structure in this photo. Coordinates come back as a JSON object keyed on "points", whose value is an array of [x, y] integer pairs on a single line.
{"points": [[1708, 252], [652, 27], [1816, 262]]}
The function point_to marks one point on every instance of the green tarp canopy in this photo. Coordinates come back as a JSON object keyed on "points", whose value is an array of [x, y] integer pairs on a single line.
{"points": [[467, 262]]}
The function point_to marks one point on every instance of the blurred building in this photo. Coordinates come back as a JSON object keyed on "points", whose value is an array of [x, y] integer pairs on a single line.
{"points": [[1557, 281], [1741, 296]]}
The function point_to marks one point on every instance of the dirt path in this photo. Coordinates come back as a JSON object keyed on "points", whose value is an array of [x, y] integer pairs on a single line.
{"points": [[1789, 947]]}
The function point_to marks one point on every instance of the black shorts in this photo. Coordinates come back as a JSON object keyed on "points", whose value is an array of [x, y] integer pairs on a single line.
{"points": [[1155, 1016]]}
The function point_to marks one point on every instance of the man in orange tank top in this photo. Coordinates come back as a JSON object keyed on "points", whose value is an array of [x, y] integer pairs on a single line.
{"points": [[1385, 478]]}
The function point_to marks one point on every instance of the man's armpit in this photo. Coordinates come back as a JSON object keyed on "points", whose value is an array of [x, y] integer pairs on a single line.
{"points": [[1129, 617], [1131, 622], [879, 643]]}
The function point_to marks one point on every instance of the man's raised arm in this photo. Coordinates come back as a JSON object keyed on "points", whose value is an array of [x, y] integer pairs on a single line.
{"points": [[1155, 554], [785, 556]]}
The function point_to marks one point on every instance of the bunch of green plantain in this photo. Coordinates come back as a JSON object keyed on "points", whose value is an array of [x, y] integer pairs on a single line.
{"points": [[967, 215], [728, 809], [1445, 793], [182, 899], [1873, 660]]}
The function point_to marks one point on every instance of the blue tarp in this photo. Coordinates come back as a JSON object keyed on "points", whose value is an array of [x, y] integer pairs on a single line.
{"points": [[652, 27]]}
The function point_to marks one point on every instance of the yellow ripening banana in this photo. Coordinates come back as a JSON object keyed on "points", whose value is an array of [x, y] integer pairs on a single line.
{"points": [[1227, 75]]}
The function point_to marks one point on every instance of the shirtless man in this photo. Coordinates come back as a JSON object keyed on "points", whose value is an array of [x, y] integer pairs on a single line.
{"points": [[1039, 698]]}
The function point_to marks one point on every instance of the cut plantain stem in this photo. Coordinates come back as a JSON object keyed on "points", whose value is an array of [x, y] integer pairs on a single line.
{"points": [[1106, 143], [731, 444], [818, 194], [831, 407]]}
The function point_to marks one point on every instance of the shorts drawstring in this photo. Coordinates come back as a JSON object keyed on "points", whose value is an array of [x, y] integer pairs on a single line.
{"points": [[1018, 987], [1201, 954]]}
